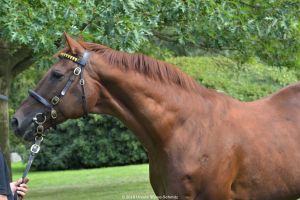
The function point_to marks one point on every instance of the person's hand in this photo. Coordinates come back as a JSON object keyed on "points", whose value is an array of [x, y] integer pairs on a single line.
{"points": [[20, 187]]}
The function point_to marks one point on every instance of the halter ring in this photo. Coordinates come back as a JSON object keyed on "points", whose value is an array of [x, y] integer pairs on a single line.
{"points": [[35, 119], [39, 138]]}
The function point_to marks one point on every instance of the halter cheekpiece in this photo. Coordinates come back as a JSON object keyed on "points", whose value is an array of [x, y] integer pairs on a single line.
{"points": [[41, 118]]}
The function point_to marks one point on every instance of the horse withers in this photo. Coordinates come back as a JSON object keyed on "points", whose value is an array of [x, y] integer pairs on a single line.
{"points": [[201, 144]]}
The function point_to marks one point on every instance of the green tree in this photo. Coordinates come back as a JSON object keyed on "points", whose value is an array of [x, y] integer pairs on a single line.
{"points": [[269, 30], [31, 32]]}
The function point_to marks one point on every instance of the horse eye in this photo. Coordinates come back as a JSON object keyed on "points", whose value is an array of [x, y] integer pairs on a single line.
{"points": [[57, 75]]}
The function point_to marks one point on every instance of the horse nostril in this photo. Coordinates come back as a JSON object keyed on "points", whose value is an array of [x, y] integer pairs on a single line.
{"points": [[14, 123]]}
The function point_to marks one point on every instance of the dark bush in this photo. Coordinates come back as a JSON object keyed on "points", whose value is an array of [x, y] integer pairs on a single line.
{"points": [[97, 141]]}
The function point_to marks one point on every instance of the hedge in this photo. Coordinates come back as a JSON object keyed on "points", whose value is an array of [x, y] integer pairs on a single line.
{"points": [[247, 82]]}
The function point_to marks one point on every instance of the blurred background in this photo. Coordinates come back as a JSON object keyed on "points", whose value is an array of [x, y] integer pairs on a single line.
{"points": [[244, 48]]}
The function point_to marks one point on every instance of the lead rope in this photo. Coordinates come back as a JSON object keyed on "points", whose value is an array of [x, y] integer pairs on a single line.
{"points": [[34, 150]]}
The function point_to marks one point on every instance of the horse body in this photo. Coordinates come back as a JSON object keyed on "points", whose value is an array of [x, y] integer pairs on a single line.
{"points": [[267, 142], [204, 145], [201, 144], [250, 152]]}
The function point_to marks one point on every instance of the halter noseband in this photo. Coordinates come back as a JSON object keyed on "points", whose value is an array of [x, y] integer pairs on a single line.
{"points": [[40, 118]]}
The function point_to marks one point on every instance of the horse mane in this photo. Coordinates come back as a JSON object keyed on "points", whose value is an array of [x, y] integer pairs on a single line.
{"points": [[155, 69]]}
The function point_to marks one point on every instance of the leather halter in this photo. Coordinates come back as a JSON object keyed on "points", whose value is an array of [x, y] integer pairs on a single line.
{"points": [[78, 71]]}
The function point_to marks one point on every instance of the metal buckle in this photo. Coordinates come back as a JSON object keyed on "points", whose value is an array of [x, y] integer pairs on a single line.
{"points": [[55, 100], [77, 71], [53, 114], [81, 81], [35, 148], [40, 129]]}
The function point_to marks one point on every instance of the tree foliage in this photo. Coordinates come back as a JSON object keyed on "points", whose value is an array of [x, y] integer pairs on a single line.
{"points": [[267, 29], [40, 23]]}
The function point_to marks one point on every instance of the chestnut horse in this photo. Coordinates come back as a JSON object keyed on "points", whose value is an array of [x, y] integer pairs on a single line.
{"points": [[201, 144]]}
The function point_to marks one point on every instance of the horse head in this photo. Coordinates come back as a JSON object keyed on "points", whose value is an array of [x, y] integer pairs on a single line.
{"points": [[66, 91]]}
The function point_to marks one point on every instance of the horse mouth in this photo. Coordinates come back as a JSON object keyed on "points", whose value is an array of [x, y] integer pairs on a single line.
{"points": [[29, 133]]}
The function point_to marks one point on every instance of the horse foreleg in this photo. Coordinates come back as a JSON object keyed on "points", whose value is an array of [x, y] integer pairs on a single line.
{"points": [[215, 194], [218, 184]]}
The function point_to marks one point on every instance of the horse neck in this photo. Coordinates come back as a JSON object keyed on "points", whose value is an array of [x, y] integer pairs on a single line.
{"points": [[151, 108]]}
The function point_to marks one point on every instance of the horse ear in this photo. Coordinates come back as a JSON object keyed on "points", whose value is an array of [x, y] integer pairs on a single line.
{"points": [[75, 47]]}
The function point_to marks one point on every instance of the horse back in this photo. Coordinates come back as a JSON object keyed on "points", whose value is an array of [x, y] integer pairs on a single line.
{"points": [[286, 103]]}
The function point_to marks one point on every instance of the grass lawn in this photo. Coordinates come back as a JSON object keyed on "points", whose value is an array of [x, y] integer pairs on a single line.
{"points": [[113, 183]]}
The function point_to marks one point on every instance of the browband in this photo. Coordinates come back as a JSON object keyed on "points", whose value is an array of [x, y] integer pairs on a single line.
{"points": [[81, 62]]}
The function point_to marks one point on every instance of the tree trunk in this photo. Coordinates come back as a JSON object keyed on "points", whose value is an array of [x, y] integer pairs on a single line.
{"points": [[4, 120], [12, 62]]}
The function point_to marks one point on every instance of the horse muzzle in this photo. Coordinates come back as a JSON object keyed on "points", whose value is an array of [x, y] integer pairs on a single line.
{"points": [[24, 129]]}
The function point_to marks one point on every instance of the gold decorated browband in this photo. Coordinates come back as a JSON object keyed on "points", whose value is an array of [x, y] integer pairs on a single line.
{"points": [[68, 56], [82, 62]]}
